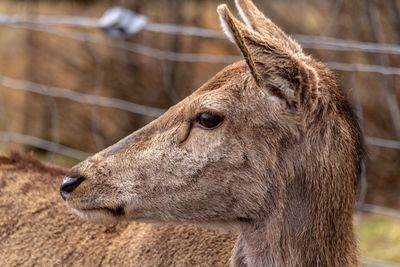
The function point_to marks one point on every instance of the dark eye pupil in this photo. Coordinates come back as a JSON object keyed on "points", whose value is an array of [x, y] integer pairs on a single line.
{"points": [[209, 121]]}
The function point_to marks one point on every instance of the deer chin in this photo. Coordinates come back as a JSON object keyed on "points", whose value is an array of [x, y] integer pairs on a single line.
{"points": [[101, 215]]}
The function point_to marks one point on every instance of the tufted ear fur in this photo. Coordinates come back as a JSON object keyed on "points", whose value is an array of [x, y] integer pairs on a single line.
{"points": [[270, 54], [256, 20]]}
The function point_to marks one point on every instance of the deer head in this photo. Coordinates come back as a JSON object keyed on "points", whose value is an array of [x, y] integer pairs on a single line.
{"points": [[270, 138]]}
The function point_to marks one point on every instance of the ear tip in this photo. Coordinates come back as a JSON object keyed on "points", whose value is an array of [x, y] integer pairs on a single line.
{"points": [[222, 9], [226, 21], [224, 12]]}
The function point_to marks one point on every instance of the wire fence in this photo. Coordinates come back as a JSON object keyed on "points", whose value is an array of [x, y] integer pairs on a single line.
{"points": [[50, 25]]}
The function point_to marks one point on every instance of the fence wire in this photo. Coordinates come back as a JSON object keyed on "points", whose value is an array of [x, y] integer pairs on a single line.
{"points": [[159, 54], [307, 41], [77, 97], [43, 144], [367, 262], [51, 25]]}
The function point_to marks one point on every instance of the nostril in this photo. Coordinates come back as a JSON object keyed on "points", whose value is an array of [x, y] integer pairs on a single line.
{"points": [[68, 185]]}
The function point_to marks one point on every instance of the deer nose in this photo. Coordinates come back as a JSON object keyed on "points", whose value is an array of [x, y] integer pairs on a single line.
{"points": [[68, 185]]}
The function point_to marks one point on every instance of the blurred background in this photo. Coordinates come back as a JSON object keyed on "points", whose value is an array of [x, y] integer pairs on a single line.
{"points": [[69, 88]]}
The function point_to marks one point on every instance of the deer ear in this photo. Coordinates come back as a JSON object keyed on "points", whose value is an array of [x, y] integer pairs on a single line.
{"points": [[235, 30], [272, 64], [256, 21]]}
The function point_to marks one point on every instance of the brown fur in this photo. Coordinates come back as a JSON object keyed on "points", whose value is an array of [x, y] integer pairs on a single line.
{"points": [[36, 229], [283, 166]]}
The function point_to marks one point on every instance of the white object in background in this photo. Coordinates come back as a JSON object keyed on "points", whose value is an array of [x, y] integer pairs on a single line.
{"points": [[119, 22]]}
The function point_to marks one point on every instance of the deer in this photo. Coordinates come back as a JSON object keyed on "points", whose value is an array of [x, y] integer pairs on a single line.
{"points": [[269, 146]]}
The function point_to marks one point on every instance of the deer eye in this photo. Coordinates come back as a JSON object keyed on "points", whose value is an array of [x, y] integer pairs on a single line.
{"points": [[208, 120]]}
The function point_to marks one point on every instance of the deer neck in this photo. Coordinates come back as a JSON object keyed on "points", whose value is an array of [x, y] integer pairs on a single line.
{"points": [[293, 237]]}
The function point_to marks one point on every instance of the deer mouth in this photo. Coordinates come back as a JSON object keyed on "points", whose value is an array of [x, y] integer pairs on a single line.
{"points": [[118, 211], [101, 214]]}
